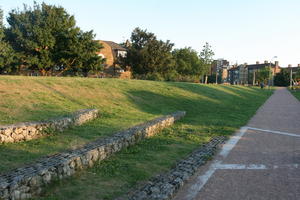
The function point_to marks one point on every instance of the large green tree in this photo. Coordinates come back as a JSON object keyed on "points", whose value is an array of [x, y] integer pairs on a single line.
{"points": [[188, 62], [264, 74], [6, 52], [47, 39], [207, 58], [148, 55], [282, 78]]}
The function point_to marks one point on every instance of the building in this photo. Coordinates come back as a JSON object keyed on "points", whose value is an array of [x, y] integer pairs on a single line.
{"points": [[247, 74], [219, 68], [295, 73], [112, 52], [254, 68], [238, 74]]}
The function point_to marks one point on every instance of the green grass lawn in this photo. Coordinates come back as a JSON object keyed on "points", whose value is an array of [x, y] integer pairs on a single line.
{"points": [[211, 110], [296, 93]]}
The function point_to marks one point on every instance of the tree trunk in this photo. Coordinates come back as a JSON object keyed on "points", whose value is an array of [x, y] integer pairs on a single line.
{"points": [[206, 77], [43, 72]]}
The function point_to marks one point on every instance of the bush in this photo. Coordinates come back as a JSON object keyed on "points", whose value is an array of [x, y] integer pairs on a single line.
{"points": [[155, 76], [282, 78], [172, 76]]}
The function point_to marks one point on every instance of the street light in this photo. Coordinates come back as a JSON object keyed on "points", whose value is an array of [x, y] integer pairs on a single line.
{"points": [[271, 71]]}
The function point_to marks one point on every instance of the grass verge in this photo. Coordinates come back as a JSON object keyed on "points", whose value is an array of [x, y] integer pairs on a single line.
{"points": [[211, 110], [296, 93]]}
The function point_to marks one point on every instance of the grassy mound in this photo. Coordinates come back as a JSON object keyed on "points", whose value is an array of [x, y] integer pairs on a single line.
{"points": [[211, 110]]}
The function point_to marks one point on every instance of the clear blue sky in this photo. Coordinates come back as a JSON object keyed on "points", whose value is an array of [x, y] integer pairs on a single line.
{"points": [[238, 30]]}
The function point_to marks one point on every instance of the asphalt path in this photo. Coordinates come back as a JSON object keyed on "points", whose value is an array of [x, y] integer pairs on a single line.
{"points": [[260, 162]]}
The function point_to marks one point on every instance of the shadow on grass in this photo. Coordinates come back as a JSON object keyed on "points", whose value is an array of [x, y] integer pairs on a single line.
{"points": [[210, 111], [13, 155]]}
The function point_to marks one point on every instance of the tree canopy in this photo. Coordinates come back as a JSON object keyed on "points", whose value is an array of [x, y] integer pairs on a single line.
{"points": [[6, 52], [264, 74], [46, 38], [187, 61], [207, 58], [147, 54]]}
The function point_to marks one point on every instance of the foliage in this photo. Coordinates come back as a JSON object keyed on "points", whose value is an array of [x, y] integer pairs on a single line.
{"points": [[155, 76], [296, 76], [282, 78], [6, 52], [207, 58], [154, 59], [147, 54], [187, 62], [47, 40], [212, 78], [264, 74]]}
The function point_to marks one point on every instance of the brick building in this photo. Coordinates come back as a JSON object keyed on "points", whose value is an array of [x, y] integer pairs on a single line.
{"points": [[247, 74], [112, 52], [254, 68]]}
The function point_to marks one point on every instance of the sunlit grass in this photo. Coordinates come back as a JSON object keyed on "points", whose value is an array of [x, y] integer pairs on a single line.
{"points": [[296, 92], [211, 110]]}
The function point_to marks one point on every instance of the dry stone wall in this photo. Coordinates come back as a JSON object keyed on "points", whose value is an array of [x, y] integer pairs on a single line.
{"points": [[25, 182], [31, 130], [165, 186]]}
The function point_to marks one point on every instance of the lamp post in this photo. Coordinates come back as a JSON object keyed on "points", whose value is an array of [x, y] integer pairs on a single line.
{"points": [[291, 78], [270, 73]]}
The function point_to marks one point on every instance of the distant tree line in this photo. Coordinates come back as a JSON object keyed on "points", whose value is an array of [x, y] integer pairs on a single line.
{"points": [[44, 39], [154, 59], [283, 78]]}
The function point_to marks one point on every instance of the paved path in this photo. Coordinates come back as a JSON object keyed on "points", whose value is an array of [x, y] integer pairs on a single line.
{"points": [[262, 161]]}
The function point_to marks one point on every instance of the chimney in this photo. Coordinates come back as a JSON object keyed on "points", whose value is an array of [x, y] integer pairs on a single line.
{"points": [[289, 65], [257, 62], [276, 63], [245, 63], [266, 62], [298, 65]]}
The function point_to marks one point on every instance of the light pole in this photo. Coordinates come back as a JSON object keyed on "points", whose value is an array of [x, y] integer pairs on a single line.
{"points": [[270, 73], [291, 78], [216, 74]]}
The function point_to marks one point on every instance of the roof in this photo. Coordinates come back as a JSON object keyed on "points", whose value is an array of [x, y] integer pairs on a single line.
{"points": [[234, 68], [114, 46], [259, 66], [254, 66]]}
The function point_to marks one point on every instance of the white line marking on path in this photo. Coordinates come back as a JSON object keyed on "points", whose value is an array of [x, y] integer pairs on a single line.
{"points": [[202, 180], [256, 166], [232, 142], [276, 132], [241, 166]]}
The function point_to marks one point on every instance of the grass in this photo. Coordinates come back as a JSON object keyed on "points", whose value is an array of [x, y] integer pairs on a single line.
{"points": [[211, 110], [296, 92]]}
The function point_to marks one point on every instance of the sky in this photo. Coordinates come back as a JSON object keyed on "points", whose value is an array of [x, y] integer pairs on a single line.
{"points": [[241, 31]]}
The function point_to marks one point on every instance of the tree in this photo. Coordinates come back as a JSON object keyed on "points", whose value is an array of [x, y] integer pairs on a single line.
{"points": [[148, 55], [47, 39], [79, 56], [282, 78], [187, 62], [6, 52], [264, 74], [207, 58]]}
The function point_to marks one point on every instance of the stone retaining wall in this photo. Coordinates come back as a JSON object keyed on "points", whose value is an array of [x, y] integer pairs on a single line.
{"points": [[165, 186], [30, 130], [28, 181]]}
